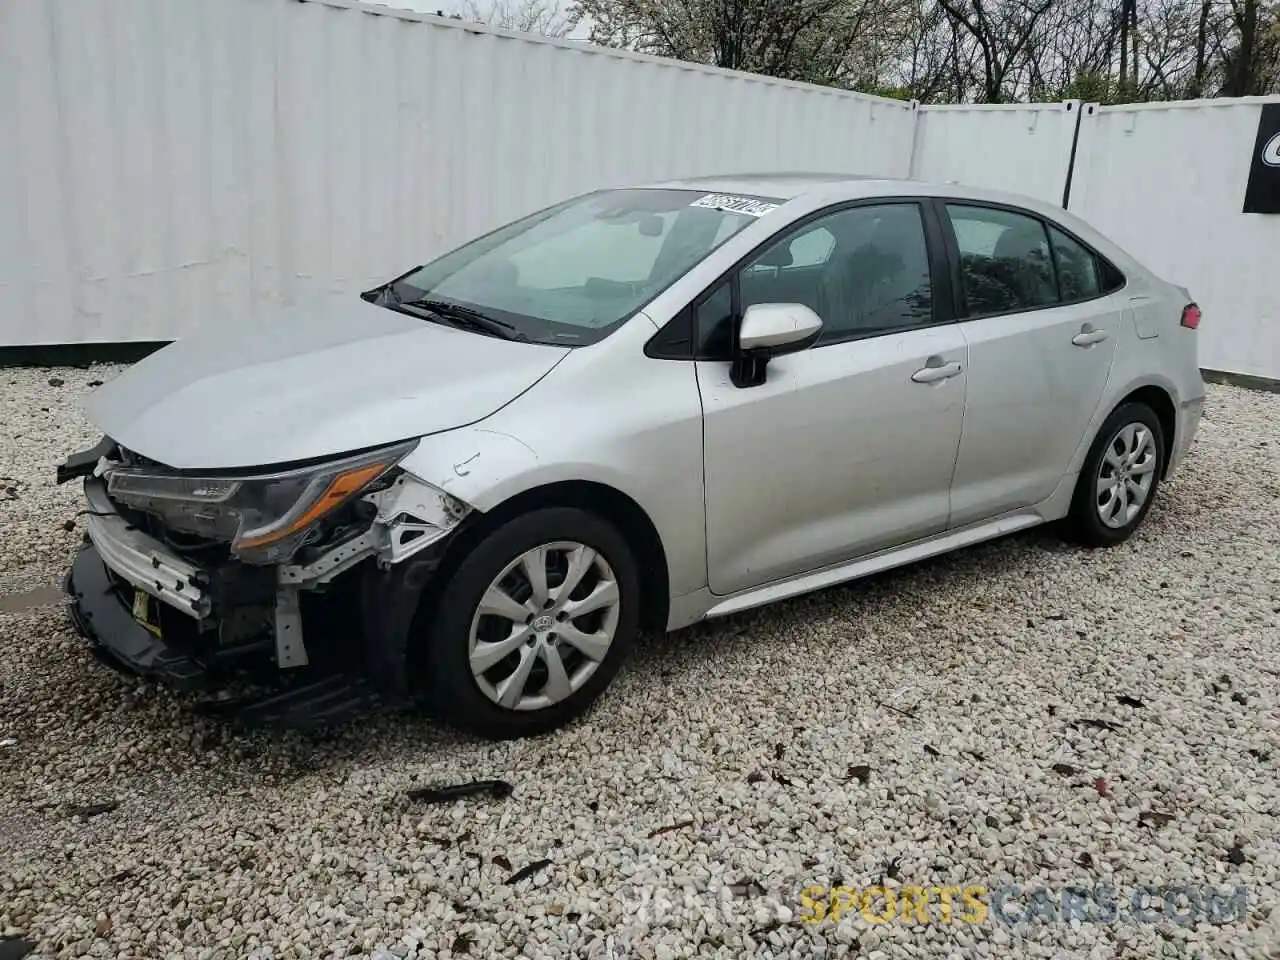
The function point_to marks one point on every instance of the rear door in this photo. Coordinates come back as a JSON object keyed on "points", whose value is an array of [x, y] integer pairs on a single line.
{"points": [[1041, 331]]}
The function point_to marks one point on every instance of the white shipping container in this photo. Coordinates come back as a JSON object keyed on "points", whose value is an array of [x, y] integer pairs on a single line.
{"points": [[1022, 148], [169, 162], [1166, 182]]}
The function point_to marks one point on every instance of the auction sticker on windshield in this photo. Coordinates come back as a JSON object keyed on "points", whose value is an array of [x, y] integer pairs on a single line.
{"points": [[731, 204]]}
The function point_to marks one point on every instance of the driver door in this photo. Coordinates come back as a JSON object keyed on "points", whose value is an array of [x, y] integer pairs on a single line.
{"points": [[839, 453]]}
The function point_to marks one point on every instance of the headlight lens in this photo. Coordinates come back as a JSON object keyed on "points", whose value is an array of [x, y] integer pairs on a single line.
{"points": [[265, 518]]}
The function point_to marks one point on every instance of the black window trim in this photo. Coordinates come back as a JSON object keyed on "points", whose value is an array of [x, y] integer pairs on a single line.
{"points": [[939, 205], [942, 281]]}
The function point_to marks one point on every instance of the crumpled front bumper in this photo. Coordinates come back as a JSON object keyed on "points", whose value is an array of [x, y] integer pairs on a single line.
{"points": [[101, 615], [360, 622]]}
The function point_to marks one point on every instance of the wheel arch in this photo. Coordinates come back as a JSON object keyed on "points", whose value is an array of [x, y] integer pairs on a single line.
{"points": [[1160, 401], [601, 499]]}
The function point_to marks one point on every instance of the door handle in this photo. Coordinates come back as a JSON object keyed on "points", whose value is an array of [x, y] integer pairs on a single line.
{"points": [[935, 370], [1088, 336]]}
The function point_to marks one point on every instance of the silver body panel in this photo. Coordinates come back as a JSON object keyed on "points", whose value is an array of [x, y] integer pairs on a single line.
{"points": [[839, 465]]}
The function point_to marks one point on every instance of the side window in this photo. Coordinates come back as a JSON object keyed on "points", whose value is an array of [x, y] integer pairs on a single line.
{"points": [[1078, 277], [1005, 264], [1112, 278], [865, 271]]}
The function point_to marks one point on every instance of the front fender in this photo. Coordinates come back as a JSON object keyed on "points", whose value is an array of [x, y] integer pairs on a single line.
{"points": [[478, 466]]}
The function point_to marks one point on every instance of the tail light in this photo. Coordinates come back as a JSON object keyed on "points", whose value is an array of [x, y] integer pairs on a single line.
{"points": [[1191, 316]]}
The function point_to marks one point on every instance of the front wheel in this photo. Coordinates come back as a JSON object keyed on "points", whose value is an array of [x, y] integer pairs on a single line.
{"points": [[533, 624], [1119, 478]]}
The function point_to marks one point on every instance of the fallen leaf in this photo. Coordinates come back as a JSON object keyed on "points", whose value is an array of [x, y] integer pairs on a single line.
{"points": [[555, 909], [860, 772], [1104, 790], [1066, 769], [526, 872], [497, 789], [15, 948], [95, 809], [1130, 701], [671, 828], [1095, 724]]}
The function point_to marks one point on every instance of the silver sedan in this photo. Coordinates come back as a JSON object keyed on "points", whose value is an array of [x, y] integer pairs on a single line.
{"points": [[470, 487]]}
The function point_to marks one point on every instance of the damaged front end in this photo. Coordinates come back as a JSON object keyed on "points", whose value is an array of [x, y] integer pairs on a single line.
{"points": [[303, 580]]}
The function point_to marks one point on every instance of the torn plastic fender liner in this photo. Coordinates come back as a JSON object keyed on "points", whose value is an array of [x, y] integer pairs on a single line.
{"points": [[389, 600]]}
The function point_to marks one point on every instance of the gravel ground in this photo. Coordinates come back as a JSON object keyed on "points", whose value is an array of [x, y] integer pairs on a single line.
{"points": [[956, 724]]}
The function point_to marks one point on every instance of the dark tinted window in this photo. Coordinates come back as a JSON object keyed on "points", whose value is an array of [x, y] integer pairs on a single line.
{"points": [[1078, 277], [864, 271], [1112, 279], [1004, 260]]}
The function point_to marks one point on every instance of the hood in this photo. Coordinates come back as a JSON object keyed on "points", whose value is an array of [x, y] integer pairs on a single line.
{"points": [[315, 380]]}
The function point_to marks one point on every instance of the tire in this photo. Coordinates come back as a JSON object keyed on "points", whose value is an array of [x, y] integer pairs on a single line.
{"points": [[468, 700], [1090, 507]]}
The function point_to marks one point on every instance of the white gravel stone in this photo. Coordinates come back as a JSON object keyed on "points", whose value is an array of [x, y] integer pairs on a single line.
{"points": [[1004, 661]]}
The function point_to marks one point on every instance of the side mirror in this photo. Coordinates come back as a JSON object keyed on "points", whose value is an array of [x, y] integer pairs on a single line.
{"points": [[772, 325], [766, 327]]}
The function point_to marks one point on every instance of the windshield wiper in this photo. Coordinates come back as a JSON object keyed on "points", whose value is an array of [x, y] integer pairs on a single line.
{"points": [[466, 317]]}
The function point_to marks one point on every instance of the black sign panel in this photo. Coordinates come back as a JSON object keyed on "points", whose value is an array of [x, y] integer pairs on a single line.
{"points": [[1262, 195]]}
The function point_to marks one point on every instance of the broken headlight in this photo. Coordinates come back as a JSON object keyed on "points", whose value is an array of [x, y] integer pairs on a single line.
{"points": [[265, 518]]}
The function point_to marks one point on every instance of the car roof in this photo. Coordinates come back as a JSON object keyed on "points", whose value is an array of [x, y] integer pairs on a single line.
{"points": [[846, 186], [839, 187], [779, 186]]}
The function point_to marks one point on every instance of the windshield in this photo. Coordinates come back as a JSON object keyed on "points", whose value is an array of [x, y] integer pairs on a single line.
{"points": [[572, 273]]}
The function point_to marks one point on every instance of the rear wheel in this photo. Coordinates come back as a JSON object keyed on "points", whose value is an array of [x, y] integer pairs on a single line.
{"points": [[533, 624], [1119, 478]]}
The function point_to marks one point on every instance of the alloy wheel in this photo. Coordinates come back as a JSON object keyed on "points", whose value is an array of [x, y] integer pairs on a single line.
{"points": [[544, 625], [1125, 475]]}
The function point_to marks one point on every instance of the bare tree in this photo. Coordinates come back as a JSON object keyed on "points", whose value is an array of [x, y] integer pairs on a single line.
{"points": [[961, 50], [1003, 31], [543, 17], [835, 42]]}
